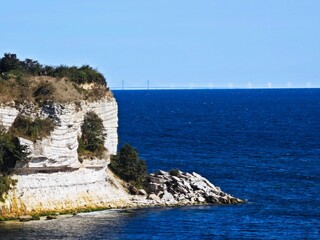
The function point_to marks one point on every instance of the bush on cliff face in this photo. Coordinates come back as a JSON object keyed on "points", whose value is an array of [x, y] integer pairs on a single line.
{"points": [[11, 151], [174, 172], [93, 136], [127, 165], [32, 129]]}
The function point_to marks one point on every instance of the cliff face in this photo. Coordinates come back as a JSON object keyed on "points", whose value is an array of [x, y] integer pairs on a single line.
{"points": [[60, 148], [7, 115], [81, 189], [54, 179]]}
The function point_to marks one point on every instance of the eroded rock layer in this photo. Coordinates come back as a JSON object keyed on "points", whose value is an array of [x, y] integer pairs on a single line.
{"points": [[60, 147], [70, 190]]}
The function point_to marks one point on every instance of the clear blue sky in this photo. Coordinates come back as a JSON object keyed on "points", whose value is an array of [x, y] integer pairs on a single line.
{"points": [[172, 43]]}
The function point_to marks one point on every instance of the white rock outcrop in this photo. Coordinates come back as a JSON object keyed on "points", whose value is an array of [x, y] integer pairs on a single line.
{"points": [[60, 147], [54, 179], [186, 189], [7, 116], [85, 188]]}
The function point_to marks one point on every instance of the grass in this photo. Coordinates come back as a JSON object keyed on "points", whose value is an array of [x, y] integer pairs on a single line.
{"points": [[40, 89]]}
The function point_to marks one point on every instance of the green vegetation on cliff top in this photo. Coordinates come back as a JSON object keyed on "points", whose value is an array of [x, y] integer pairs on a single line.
{"points": [[28, 80]]}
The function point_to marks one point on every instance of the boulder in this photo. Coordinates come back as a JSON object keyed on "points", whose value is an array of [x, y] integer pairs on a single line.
{"points": [[133, 190], [199, 185], [154, 197], [167, 197], [201, 199], [157, 179], [181, 197], [161, 172], [209, 184], [197, 175], [154, 187], [181, 189], [176, 179], [142, 192], [160, 194], [186, 188], [212, 199], [25, 218]]}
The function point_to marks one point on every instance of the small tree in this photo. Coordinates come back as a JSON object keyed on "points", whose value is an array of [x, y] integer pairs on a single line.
{"points": [[129, 167], [93, 133], [31, 66]]}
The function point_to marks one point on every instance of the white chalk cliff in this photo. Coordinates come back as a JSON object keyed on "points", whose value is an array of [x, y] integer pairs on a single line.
{"points": [[54, 179], [60, 148]]}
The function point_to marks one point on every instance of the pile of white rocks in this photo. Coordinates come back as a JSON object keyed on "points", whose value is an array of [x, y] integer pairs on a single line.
{"points": [[178, 188]]}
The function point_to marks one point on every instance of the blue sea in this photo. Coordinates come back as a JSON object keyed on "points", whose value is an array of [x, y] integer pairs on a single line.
{"points": [[259, 145]]}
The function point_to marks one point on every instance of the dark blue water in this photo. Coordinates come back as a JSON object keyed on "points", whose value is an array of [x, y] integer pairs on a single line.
{"points": [[259, 145]]}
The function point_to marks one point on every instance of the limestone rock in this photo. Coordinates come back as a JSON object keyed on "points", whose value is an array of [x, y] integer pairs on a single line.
{"points": [[153, 197], [186, 188], [7, 116], [142, 192], [60, 148], [167, 197], [58, 191], [133, 190]]}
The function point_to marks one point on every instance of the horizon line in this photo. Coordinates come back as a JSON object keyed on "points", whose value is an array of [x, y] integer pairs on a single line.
{"points": [[204, 88]]}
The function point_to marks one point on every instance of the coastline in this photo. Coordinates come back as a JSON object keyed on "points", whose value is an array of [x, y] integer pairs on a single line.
{"points": [[201, 193]]}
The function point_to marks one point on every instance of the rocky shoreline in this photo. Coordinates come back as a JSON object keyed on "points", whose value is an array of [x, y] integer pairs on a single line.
{"points": [[165, 189], [176, 188]]}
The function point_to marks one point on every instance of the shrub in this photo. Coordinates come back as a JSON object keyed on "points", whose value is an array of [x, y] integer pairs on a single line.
{"points": [[93, 136], [11, 151], [32, 67], [174, 172], [80, 75], [127, 165], [9, 62], [32, 129]]}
